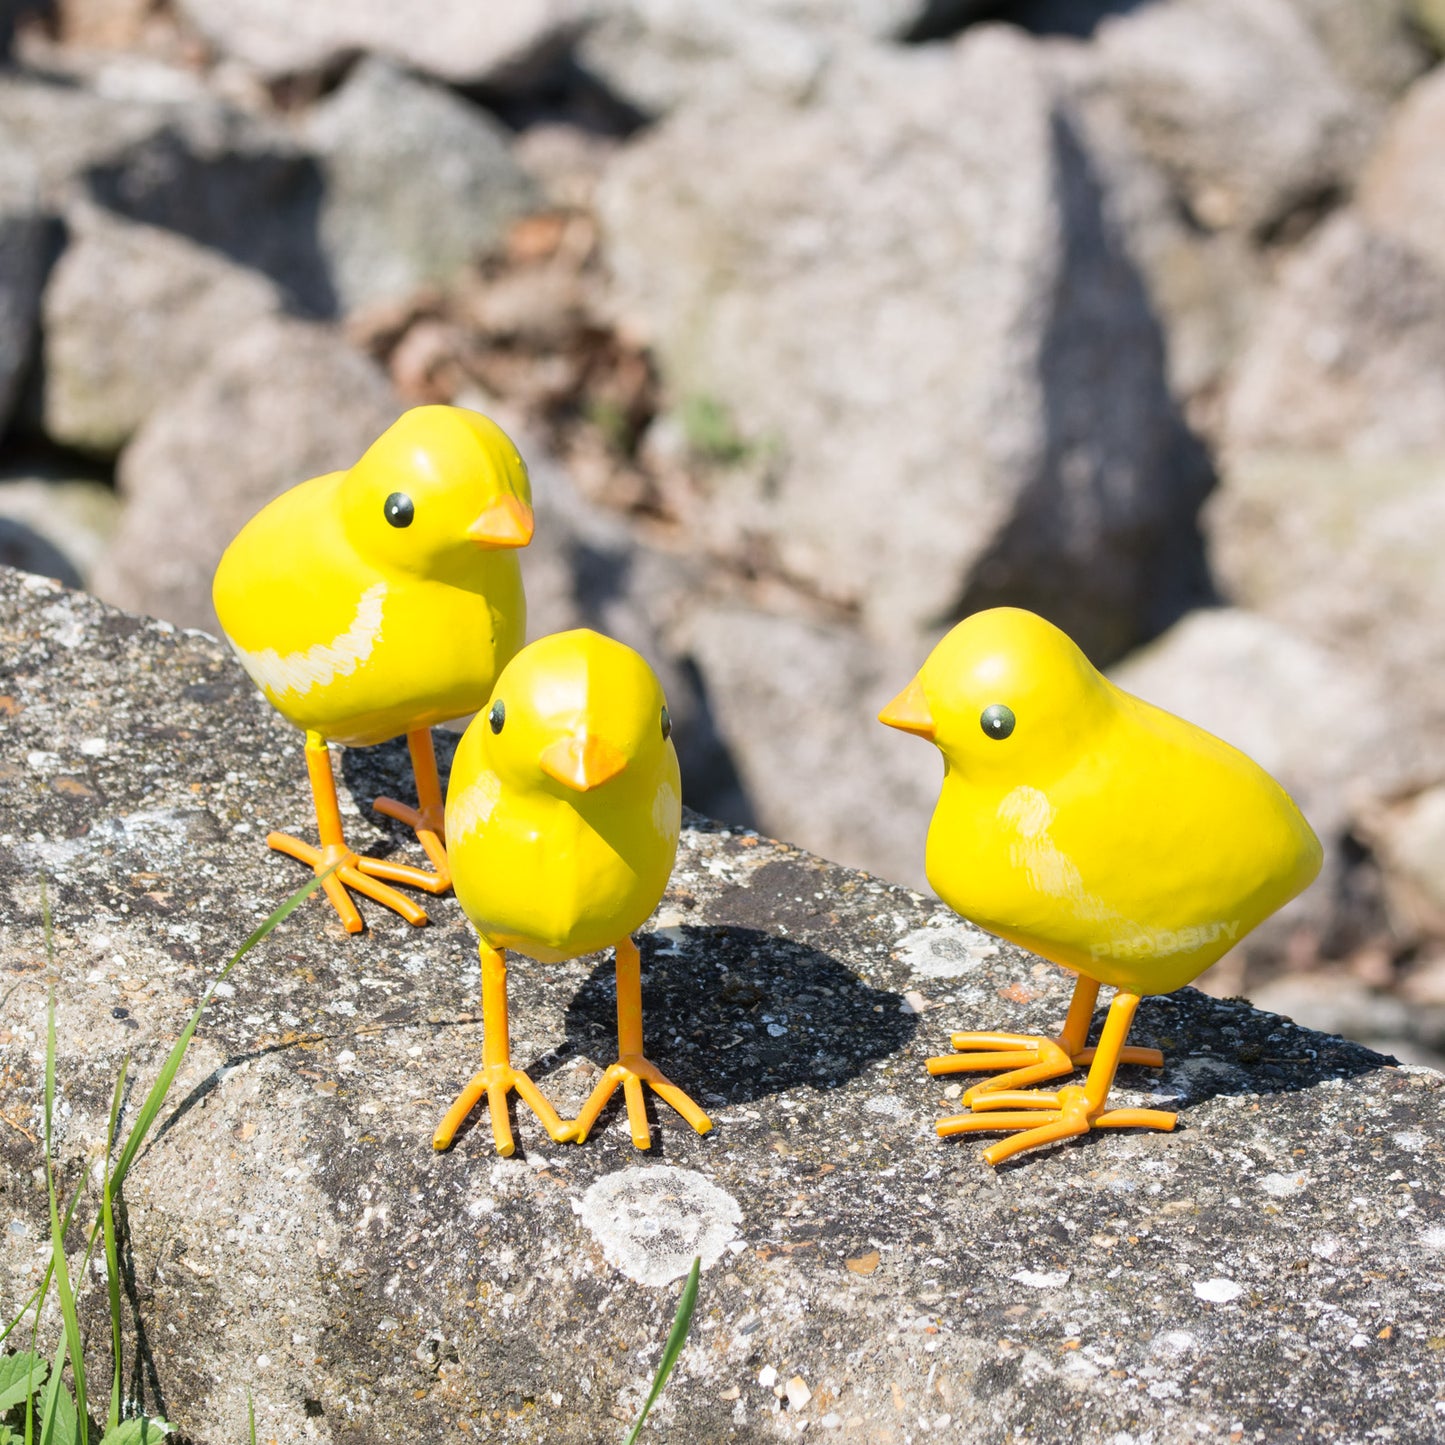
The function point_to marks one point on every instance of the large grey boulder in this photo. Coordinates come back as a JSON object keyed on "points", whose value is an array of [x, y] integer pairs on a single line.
{"points": [[586, 568], [1348, 553], [1374, 46], [23, 246], [417, 183], [456, 40], [909, 295], [283, 401], [1402, 191], [1348, 353], [1239, 101], [1271, 1267], [796, 701], [152, 144], [121, 292], [660, 54]]}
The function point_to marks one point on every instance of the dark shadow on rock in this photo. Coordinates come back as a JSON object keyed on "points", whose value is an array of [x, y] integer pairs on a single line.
{"points": [[23, 547], [1079, 19], [260, 207], [734, 1014], [1216, 1047], [385, 770], [1152, 566], [558, 90], [1212, 1048], [144, 1391]]}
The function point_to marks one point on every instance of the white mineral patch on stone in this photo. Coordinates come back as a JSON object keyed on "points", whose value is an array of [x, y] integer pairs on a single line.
{"points": [[886, 1105], [1411, 1139], [1283, 1185], [652, 1219], [1434, 1238], [1175, 1342], [1037, 1279], [948, 952], [1218, 1291]]}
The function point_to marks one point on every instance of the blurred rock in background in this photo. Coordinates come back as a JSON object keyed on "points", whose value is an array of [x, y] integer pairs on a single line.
{"points": [[821, 325]]}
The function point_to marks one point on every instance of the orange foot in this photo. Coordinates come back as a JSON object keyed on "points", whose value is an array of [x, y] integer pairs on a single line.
{"points": [[358, 873], [496, 1081], [632, 1071], [427, 825], [1027, 1058], [1050, 1117]]}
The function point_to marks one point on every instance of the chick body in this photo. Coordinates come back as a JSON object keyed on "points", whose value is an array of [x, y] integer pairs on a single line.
{"points": [[378, 601], [538, 865], [1139, 850], [563, 815], [360, 629], [1092, 828]]}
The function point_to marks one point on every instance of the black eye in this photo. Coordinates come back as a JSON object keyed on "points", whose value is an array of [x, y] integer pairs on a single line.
{"points": [[399, 509], [997, 720], [497, 716], [666, 722]]}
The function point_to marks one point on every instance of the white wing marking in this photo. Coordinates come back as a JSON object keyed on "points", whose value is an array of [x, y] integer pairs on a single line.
{"points": [[298, 672]]}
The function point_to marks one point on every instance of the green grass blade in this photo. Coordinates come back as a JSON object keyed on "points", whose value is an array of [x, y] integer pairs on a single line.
{"points": [[251, 1415], [57, 1234], [676, 1338], [112, 1263], [155, 1100], [60, 1421]]}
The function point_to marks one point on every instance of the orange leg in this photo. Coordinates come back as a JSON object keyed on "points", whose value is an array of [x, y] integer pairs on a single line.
{"points": [[497, 1078], [1030, 1059], [632, 1068], [1043, 1118], [354, 871], [426, 819]]}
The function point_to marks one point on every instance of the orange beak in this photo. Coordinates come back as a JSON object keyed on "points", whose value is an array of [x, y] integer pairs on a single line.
{"points": [[582, 763], [908, 712], [506, 523]]}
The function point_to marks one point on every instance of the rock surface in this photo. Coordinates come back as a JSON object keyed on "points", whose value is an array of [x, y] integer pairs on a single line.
{"points": [[1402, 191], [452, 39], [283, 401], [1347, 553], [910, 298], [123, 292], [1348, 355], [412, 199], [1239, 102], [153, 144], [797, 703], [1269, 1270]]}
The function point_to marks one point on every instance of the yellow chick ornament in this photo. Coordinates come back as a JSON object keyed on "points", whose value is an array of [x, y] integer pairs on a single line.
{"points": [[379, 601], [562, 819], [1103, 833]]}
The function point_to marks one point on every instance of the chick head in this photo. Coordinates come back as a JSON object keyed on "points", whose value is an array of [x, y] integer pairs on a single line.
{"points": [[574, 710], [437, 485], [1004, 695]]}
